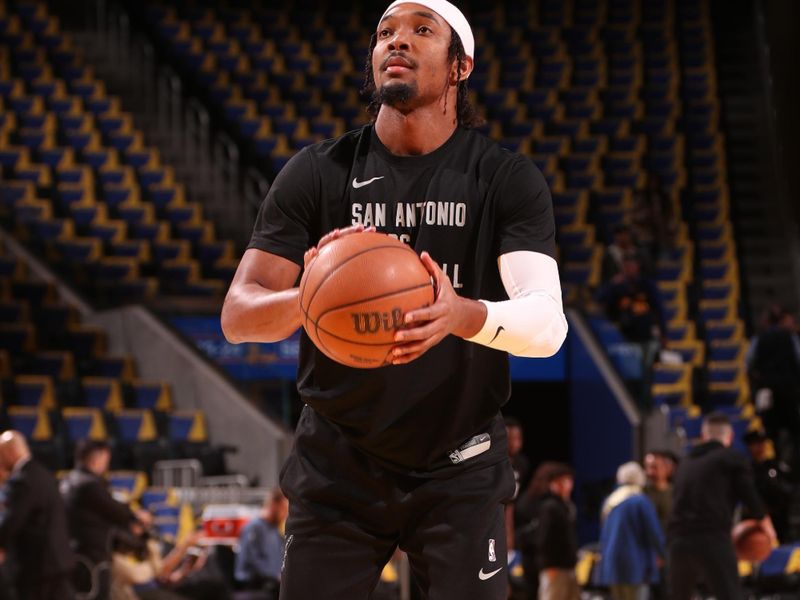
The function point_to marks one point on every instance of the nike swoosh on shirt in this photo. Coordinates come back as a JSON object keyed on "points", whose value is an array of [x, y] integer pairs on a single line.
{"points": [[484, 576], [359, 184], [499, 329]]}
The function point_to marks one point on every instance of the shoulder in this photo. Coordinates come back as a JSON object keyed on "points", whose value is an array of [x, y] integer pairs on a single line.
{"points": [[34, 467], [735, 458], [641, 501], [336, 151], [551, 504], [253, 526], [493, 159], [38, 475]]}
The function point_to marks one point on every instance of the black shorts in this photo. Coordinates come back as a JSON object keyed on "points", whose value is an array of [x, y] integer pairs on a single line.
{"points": [[348, 514]]}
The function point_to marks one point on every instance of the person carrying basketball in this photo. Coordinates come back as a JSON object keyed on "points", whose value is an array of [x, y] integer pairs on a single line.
{"points": [[411, 455]]}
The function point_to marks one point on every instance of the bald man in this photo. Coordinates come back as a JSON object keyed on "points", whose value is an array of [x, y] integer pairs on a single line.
{"points": [[34, 526]]}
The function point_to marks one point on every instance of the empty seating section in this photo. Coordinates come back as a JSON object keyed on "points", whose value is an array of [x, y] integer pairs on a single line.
{"points": [[60, 385], [602, 94], [79, 183]]}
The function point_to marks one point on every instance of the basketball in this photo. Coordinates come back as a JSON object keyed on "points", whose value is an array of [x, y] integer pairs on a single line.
{"points": [[355, 293], [751, 541]]}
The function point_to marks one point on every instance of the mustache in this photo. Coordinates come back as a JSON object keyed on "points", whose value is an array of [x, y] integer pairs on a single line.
{"points": [[402, 55]]}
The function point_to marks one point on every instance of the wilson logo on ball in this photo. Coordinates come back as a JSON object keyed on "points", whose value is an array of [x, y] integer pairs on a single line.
{"points": [[371, 322]]}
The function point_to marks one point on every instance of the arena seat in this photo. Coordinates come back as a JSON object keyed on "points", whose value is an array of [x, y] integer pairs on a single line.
{"points": [[32, 422], [103, 393], [151, 395], [55, 364], [135, 425], [187, 426], [129, 483], [35, 391], [83, 423]]}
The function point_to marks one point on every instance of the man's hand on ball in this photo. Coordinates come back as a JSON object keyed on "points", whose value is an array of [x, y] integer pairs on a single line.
{"points": [[312, 252], [427, 326]]}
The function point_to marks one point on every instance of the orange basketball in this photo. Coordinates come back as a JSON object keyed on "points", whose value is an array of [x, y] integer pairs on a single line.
{"points": [[751, 541], [355, 294]]}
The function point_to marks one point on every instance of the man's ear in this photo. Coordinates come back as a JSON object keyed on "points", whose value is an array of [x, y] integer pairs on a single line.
{"points": [[467, 64]]}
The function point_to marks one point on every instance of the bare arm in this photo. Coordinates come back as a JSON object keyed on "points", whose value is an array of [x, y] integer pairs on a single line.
{"points": [[262, 304]]}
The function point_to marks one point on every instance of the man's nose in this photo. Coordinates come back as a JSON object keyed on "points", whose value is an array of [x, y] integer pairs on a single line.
{"points": [[399, 41]]}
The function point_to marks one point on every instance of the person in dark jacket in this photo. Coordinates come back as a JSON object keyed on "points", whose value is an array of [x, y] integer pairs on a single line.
{"points": [[546, 518], [94, 514], [773, 362], [632, 301], [710, 482], [773, 479], [34, 526]]}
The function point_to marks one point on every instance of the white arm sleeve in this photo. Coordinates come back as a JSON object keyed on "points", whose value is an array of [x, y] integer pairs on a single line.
{"points": [[531, 323]]}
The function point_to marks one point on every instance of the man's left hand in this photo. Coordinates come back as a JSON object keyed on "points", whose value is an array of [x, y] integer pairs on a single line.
{"points": [[426, 327]]}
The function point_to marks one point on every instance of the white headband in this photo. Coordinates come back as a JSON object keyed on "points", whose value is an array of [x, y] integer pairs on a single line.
{"points": [[450, 13]]}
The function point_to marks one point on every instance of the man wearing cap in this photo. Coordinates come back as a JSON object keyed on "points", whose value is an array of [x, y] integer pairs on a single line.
{"points": [[411, 455]]}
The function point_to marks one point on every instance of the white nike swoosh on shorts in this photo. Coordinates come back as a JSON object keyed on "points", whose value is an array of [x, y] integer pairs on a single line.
{"points": [[359, 184], [484, 576]]}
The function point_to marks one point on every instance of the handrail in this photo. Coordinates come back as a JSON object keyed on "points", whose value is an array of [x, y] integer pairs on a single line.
{"points": [[256, 186], [612, 379]]}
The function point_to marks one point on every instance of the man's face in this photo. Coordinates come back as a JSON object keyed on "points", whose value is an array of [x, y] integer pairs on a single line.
{"points": [[276, 511], [655, 467], [758, 450], [99, 462], [514, 440], [562, 486], [409, 62]]}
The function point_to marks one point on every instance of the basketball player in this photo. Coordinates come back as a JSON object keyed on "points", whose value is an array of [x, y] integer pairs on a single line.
{"points": [[411, 455]]}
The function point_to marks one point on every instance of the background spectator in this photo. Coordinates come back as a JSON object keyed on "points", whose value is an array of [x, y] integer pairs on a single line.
{"points": [[34, 525], [653, 217], [519, 462], [773, 479], [547, 525], [522, 470], [710, 482], [631, 300], [631, 541], [658, 487], [773, 361], [93, 514], [258, 564], [147, 574], [624, 246]]}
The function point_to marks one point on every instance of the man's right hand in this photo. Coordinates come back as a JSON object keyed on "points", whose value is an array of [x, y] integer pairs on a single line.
{"points": [[766, 524], [312, 252]]}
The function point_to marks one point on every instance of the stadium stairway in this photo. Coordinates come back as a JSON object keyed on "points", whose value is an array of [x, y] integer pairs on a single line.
{"points": [[68, 372], [204, 161], [760, 222]]}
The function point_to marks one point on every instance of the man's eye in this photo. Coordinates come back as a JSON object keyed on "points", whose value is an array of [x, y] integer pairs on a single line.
{"points": [[383, 33], [423, 29]]}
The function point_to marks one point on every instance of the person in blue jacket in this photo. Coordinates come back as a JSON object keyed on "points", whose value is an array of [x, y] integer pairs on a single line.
{"points": [[261, 547], [631, 540]]}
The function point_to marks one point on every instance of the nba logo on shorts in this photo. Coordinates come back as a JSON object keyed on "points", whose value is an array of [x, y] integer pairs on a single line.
{"points": [[492, 555]]}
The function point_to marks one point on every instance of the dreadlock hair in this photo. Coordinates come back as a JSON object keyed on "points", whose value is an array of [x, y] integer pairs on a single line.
{"points": [[466, 114]]}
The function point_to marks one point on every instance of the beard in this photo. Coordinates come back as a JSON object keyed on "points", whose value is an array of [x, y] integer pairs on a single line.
{"points": [[395, 95]]}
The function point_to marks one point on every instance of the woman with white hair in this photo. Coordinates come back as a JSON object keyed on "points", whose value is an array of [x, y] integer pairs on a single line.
{"points": [[631, 541]]}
